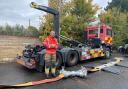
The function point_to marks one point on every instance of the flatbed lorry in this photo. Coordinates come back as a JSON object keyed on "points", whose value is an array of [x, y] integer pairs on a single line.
{"points": [[33, 56]]}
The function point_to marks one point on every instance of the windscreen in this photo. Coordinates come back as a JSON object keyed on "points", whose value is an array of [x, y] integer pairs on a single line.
{"points": [[95, 31], [109, 32]]}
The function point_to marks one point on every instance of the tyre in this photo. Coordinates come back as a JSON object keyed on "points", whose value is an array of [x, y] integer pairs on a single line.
{"points": [[72, 58], [58, 60], [107, 53]]}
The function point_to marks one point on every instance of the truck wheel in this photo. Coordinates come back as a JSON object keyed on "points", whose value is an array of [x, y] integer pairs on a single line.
{"points": [[107, 54], [58, 60], [72, 58]]}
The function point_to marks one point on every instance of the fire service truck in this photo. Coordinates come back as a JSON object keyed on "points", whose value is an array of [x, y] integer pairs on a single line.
{"points": [[98, 43]]}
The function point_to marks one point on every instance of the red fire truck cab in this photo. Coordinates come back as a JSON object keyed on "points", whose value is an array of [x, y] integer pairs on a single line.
{"points": [[104, 32]]}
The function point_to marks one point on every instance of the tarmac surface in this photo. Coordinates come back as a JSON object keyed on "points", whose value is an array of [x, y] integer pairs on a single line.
{"points": [[12, 73]]}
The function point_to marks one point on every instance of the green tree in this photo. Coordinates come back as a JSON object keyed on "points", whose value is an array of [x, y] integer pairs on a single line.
{"points": [[82, 12], [33, 31], [106, 17], [119, 4], [75, 15], [47, 20], [18, 30], [1, 30], [8, 30], [119, 10], [119, 24]]}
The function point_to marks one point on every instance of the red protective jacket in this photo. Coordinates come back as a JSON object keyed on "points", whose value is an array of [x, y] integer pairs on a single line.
{"points": [[51, 45]]}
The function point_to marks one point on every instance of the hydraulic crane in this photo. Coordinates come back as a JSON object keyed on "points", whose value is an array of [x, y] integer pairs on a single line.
{"points": [[52, 11]]}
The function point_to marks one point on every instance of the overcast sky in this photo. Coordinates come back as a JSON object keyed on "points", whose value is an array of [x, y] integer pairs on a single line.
{"points": [[19, 12]]}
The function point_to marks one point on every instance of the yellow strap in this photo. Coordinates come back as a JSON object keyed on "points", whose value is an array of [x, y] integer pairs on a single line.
{"points": [[53, 70], [47, 70]]}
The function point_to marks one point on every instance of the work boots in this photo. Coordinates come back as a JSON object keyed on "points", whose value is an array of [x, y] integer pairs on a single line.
{"points": [[53, 71], [50, 74], [47, 72]]}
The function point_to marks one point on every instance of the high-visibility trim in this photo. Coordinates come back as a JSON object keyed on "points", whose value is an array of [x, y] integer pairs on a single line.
{"points": [[95, 55], [53, 70], [102, 55], [88, 52], [91, 57], [84, 57], [92, 51], [47, 70], [96, 51], [108, 40], [99, 51]]}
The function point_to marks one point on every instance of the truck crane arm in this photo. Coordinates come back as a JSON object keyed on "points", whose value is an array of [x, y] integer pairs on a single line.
{"points": [[56, 20], [51, 11], [44, 8]]}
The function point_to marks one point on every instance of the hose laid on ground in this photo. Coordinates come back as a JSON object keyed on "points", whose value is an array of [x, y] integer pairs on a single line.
{"points": [[33, 82], [63, 73], [98, 68], [79, 73]]}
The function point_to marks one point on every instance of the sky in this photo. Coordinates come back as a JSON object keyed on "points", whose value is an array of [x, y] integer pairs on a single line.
{"points": [[19, 12]]}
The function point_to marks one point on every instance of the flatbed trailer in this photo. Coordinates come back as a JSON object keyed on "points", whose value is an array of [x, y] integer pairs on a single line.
{"points": [[65, 57]]}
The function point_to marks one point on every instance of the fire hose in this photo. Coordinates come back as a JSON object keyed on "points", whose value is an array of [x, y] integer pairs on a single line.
{"points": [[64, 74]]}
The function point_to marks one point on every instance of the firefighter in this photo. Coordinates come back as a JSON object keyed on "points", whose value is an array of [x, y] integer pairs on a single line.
{"points": [[51, 45]]}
